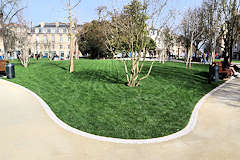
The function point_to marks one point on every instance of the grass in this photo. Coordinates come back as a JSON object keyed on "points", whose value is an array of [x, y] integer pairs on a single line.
{"points": [[94, 98], [234, 61]]}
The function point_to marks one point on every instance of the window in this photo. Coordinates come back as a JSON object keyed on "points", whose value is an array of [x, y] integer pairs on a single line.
{"points": [[48, 30], [45, 54], [64, 30], [62, 53], [61, 46], [37, 39], [69, 38], [40, 30], [53, 38], [45, 39], [68, 46], [61, 39], [53, 46], [54, 53], [56, 30]]}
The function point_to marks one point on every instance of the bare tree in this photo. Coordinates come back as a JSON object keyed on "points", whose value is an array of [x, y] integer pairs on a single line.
{"points": [[231, 18], [23, 41], [168, 39], [70, 7], [164, 31], [8, 11], [213, 25], [77, 52], [192, 26], [127, 30]]}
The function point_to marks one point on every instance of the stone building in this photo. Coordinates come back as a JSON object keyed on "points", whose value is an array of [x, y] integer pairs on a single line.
{"points": [[176, 49], [52, 39]]}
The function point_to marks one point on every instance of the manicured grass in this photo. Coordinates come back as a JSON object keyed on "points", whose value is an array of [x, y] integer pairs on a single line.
{"points": [[234, 61], [94, 98]]}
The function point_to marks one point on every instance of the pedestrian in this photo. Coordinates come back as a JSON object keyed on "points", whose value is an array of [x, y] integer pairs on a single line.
{"points": [[38, 56], [204, 58]]}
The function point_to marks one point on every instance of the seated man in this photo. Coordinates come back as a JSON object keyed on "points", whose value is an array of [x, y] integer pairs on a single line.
{"points": [[228, 65], [236, 68]]}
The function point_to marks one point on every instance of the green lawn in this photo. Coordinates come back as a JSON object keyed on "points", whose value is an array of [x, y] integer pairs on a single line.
{"points": [[234, 61], [94, 98]]}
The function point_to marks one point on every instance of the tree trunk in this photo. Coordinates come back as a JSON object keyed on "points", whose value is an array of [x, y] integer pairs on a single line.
{"points": [[134, 80], [189, 57], [230, 54], [71, 68], [5, 51], [191, 53], [214, 49]]}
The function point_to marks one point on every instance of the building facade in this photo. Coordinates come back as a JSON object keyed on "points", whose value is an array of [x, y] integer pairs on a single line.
{"points": [[52, 39], [176, 48]]}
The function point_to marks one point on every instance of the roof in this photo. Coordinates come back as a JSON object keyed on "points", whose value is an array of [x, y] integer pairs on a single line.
{"points": [[54, 25], [15, 25]]}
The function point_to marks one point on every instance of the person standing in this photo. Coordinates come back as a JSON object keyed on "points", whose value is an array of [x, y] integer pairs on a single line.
{"points": [[204, 57]]}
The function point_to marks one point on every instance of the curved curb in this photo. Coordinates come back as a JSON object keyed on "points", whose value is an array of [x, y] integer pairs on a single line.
{"points": [[191, 124]]}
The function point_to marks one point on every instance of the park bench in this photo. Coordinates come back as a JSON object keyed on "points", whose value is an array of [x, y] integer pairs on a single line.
{"points": [[2, 65], [224, 72]]}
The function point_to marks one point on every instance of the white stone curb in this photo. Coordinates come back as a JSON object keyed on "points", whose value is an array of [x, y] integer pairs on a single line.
{"points": [[192, 122]]}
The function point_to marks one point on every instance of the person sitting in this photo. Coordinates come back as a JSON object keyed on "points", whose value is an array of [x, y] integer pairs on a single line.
{"points": [[229, 65], [236, 68]]}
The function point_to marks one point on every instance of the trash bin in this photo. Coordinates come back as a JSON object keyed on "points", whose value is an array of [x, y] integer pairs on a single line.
{"points": [[210, 74], [216, 73], [10, 71]]}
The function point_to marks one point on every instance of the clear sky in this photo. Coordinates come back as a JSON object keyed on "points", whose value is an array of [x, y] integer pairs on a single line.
{"points": [[53, 10]]}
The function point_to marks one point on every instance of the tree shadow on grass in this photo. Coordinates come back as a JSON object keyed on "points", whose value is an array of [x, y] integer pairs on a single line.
{"points": [[58, 65], [178, 74], [186, 78], [101, 76], [93, 75]]}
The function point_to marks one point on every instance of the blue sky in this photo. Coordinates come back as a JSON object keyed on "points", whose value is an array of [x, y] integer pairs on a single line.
{"points": [[53, 10]]}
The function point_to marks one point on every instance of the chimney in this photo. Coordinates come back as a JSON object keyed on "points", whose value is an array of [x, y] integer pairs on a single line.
{"points": [[42, 24], [57, 24]]}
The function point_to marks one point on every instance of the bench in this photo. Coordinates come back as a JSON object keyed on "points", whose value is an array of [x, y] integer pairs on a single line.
{"points": [[224, 72], [2, 65]]}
